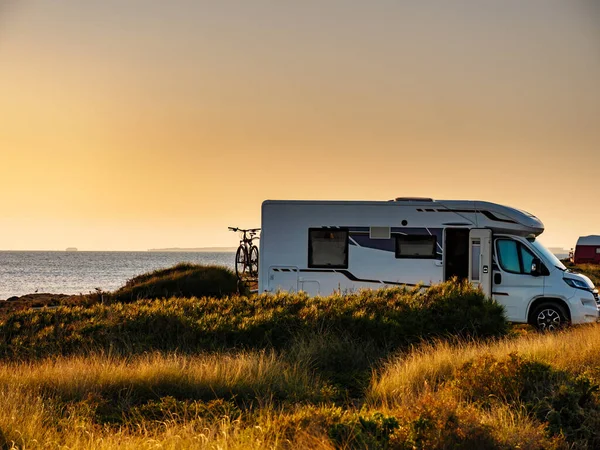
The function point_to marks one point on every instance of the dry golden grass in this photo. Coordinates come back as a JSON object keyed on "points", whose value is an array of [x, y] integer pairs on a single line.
{"points": [[407, 376], [252, 374], [422, 384], [54, 403], [30, 424]]}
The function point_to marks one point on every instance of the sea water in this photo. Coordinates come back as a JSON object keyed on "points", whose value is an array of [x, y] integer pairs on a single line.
{"points": [[83, 272]]}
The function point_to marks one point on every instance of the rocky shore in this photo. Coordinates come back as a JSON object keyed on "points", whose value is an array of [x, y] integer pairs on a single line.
{"points": [[36, 300]]}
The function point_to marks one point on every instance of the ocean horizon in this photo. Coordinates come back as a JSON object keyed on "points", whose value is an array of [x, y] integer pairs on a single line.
{"points": [[80, 272]]}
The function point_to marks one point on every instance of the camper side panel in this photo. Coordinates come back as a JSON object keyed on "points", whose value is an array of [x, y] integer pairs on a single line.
{"points": [[373, 258]]}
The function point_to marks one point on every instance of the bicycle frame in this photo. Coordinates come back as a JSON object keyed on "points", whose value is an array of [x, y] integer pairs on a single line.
{"points": [[246, 259]]}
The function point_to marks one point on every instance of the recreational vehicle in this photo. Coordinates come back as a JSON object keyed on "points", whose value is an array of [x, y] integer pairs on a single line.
{"points": [[321, 247]]}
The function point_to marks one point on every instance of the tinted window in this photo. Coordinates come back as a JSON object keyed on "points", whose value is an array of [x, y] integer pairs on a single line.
{"points": [[476, 260], [416, 246], [527, 258], [328, 248], [514, 257], [508, 256]]}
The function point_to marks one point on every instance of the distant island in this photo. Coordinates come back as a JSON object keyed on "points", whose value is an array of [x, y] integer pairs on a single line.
{"points": [[199, 249], [71, 249]]}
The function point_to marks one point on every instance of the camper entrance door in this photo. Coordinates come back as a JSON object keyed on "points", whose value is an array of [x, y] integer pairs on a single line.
{"points": [[480, 259]]}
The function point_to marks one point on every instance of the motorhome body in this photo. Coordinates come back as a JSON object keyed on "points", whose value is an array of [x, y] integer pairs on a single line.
{"points": [[325, 246]]}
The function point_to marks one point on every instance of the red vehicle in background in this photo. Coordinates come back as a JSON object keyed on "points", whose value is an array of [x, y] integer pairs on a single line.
{"points": [[587, 250]]}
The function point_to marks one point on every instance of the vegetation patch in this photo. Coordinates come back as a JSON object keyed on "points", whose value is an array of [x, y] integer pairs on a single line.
{"points": [[567, 404], [385, 320], [590, 270], [434, 368], [183, 280]]}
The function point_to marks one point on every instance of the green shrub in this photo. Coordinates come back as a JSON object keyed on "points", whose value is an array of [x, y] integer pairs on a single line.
{"points": [[343, 361], [364, 431], [438, 422], [568, 405], [385, 319], [183, 280], [432, 423]]}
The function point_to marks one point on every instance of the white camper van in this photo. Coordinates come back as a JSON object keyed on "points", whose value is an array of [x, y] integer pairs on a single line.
{"points": [[325, 246]]}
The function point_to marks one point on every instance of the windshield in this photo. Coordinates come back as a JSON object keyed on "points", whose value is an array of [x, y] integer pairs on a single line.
{"points": [[547, 254]]}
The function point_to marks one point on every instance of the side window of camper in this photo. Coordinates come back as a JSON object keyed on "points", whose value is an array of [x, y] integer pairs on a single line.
{"points": [[415, 246], [514, 257], [526, 259], [328, 248], [508, 256]]}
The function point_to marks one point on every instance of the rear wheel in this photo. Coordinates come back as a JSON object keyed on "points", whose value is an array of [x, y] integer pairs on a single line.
{"points": [[241, 262], [549, 317], [253, 264]]}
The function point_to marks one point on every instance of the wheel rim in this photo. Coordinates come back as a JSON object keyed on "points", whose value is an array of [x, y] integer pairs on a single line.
{"points": [[549, 320], [240, 263], [254, 262]]}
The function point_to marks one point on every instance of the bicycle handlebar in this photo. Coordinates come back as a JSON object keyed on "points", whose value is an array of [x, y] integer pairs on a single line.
{"points": [[249, 230]]}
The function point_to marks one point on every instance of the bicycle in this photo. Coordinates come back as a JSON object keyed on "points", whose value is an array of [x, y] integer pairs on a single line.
{"points": [[246, 256]]}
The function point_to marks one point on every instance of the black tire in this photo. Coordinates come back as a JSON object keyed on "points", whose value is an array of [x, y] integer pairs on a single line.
{"points": [[253, 264], [241, 262], [549, 317]]}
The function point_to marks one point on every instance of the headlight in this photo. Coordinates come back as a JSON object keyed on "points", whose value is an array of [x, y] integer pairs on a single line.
{"points": [[577, 284]]}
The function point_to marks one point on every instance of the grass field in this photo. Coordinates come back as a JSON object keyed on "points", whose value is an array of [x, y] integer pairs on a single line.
{"points": [[393, 369]]}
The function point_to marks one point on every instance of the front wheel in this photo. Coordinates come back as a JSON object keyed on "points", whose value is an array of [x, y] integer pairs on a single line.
{"points": [[549, 317], [241, 262], [253, 264]]}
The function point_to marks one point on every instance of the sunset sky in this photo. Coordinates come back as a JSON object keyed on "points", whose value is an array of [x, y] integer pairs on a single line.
{"points": [[132, 124]]}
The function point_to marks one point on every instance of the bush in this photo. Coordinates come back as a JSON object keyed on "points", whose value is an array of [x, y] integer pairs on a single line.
{"points": [[183, 280], [385, 320], [567, 404]]}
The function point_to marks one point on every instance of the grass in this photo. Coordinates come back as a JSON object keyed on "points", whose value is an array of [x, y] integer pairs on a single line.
{"points": [[260, 400], [390, 369], [384, 320], [543, 382], [245, 378], [183, 280], [423, 370], [590, 270]]}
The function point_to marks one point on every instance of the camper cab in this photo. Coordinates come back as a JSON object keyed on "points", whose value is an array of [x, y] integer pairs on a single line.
{"points": [[321, 247]]}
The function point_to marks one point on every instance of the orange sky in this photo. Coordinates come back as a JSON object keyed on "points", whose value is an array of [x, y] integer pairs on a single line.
{"points": [[126, 125]]}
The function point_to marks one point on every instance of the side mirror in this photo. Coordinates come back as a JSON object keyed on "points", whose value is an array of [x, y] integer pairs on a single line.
{"points": [[536, 267]]}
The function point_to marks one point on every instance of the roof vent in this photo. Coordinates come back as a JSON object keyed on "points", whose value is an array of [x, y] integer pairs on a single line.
{"points": [[413, 199]]}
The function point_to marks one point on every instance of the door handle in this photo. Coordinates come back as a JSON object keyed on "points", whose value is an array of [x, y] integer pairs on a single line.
{"points": [[497, 278]]}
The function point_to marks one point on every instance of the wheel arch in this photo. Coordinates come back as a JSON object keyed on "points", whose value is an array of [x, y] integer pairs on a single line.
{"points": [[558, 301]]}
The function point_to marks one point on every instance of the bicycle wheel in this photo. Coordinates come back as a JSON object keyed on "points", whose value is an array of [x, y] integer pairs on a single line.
{"points": [[241, 262], [253, 269]]}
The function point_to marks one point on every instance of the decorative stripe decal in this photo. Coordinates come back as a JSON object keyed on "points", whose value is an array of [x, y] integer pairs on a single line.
{"points": [[457, 224], [490, 215], [352, 241], [494, 217], [352, 277]]}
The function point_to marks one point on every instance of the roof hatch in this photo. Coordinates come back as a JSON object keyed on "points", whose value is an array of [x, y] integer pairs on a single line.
{"points": [[413, 199]]}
